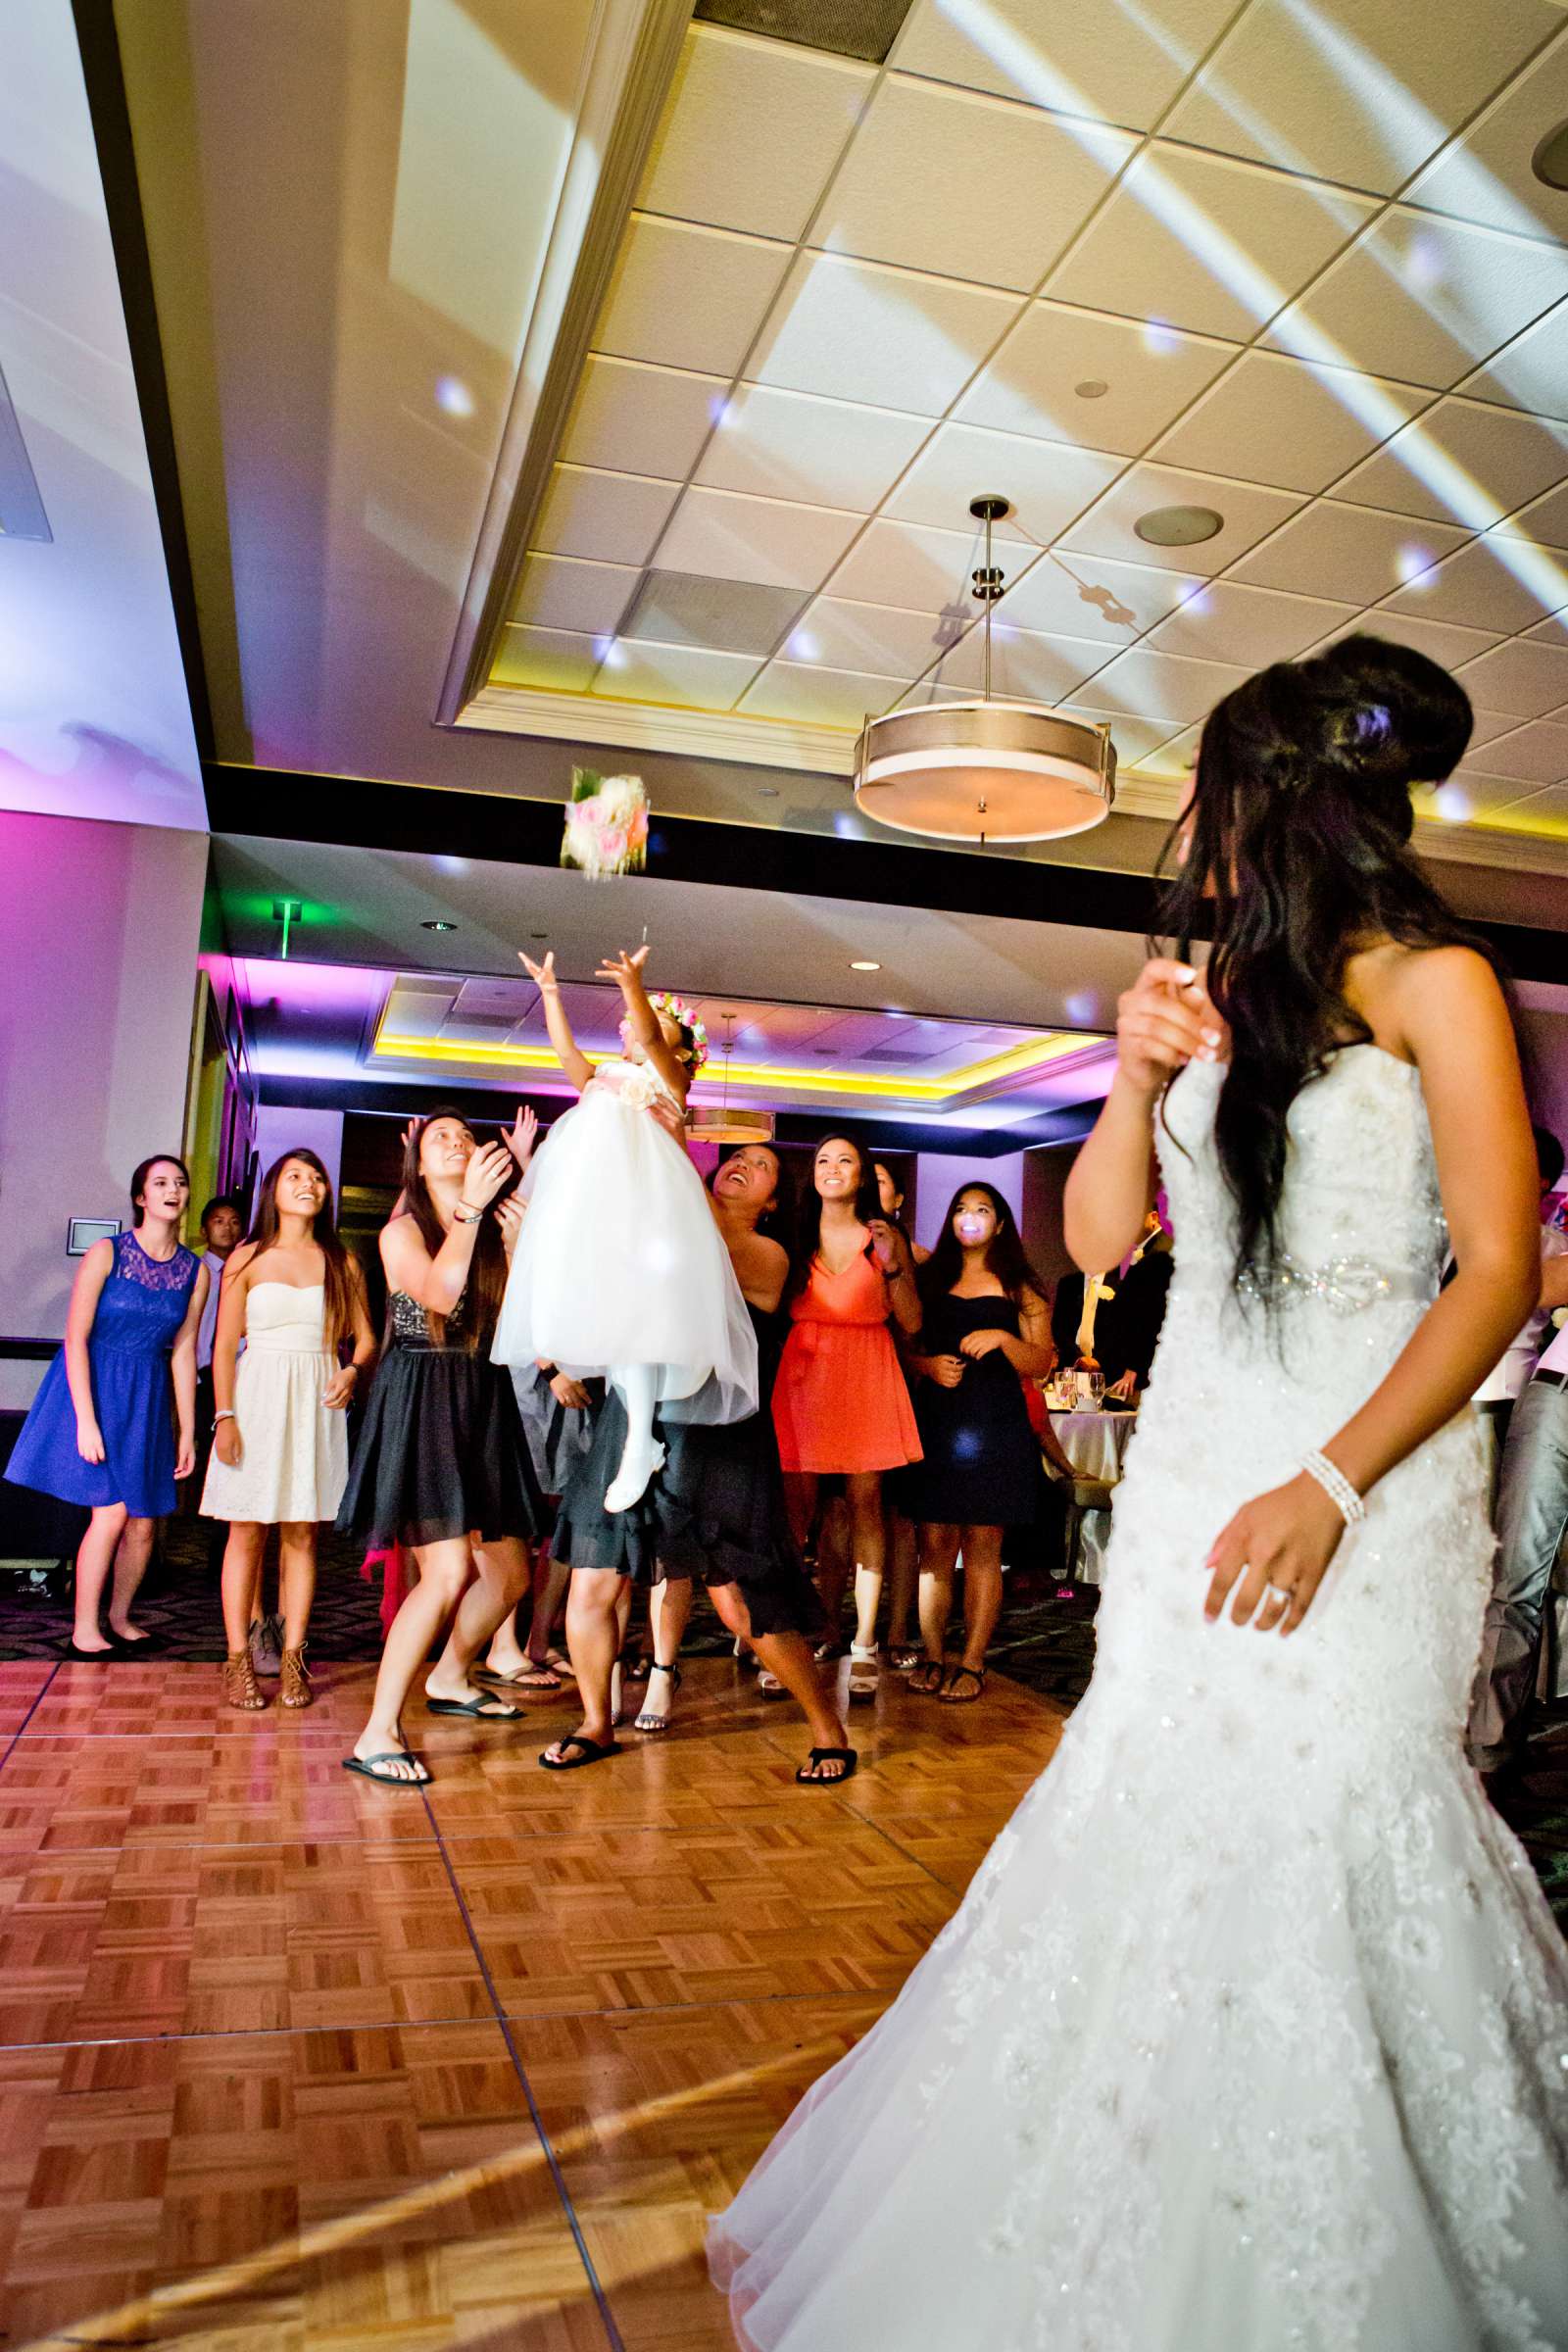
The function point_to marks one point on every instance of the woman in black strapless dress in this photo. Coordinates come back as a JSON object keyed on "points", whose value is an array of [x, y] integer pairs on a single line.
{"points": [[714, 1510], [986, 1329]]}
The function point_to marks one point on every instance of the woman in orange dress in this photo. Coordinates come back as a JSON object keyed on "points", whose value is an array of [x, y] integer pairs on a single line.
{"points": [[841, 1402]]}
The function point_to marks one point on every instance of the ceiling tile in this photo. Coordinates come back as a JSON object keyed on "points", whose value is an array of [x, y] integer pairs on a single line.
{"points": [[790, 445], [1543, 812], [730, 537], [1176, 755], [1546, 521], [1494, 583], [1133, 739], [1355, 90], [751, 132], [1538, 751], [1553, 630], [1532, 371], [556, 592], [1025, 665], [735, 616], [1151, 685], [686, 674], [560, 658], [1347, 551], [1203, 242], [1423, 299], [1047, 483], [609, 517], [1468, 795], [1248, 510], [1440, 640], [1488, 725], [1462, 462], [970, 187], [687, 297], [1149, 378], [1527, 678], [887, 337], [818, 696], [911, 567], [1486, 176], [1123, 64], [875, 639], [1281, 422], [1224, 621], [1093, 596], [640, 420]]}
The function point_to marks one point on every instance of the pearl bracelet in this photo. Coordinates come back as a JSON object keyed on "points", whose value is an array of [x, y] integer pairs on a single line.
{"points": [[1336, 1486]]}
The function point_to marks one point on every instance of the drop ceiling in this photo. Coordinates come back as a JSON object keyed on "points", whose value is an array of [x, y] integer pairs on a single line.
{"points": [[1288, 263]]}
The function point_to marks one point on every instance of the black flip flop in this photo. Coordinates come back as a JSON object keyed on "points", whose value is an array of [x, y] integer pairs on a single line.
{"points": [[364, 1766], [479, 1710], [847, 1756], [594, 1751]]}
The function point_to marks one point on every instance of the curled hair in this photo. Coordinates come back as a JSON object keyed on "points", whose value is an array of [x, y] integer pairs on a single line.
{"points": [[1005, 1257], [809, 1231], [1298, 837], [265, 1226], [488, 1267], [140, 1173]]}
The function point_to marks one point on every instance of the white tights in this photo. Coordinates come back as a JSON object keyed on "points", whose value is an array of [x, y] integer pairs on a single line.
{"points": [[638, 1385]]}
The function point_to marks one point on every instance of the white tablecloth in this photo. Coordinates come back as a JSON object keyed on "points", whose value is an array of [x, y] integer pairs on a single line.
{"points": [[1095, 1443]]}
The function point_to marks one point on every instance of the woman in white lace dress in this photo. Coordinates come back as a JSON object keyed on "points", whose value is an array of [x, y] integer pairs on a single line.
{"points": [[1252, 2032]]}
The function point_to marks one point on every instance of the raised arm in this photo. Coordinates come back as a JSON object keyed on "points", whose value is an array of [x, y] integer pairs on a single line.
{"points": [[439, 1282], [91, 1275], [626, 971], [1163, 1021], [572, 1060]]}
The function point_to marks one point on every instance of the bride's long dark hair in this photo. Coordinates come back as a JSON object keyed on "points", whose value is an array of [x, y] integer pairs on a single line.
{"points": [[1297, 854]]}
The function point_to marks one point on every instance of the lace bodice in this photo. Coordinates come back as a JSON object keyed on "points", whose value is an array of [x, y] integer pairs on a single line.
{"points": [[142, 1303]]}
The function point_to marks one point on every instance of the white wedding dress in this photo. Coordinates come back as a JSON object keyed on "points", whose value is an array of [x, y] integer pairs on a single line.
{"points": [[1252, 2031]]}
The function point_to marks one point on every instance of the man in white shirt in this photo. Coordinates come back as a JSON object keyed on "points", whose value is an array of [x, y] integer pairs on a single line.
{"points": [[1532, 1514], [222, 1230]]}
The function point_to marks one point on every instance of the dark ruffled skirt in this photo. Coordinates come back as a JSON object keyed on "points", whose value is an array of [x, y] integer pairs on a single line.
{"points": [[715, 1510], [441, 1453]]}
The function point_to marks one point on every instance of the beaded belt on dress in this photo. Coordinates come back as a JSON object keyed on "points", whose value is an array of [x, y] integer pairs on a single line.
{"points": [[1343, 1285]]}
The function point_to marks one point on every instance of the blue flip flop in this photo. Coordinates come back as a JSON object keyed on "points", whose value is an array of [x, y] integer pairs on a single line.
{"points": [[482, 1709]]}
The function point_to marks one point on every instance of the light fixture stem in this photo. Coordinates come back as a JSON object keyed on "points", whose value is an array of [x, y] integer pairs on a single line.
{"points": [[988, 613]]}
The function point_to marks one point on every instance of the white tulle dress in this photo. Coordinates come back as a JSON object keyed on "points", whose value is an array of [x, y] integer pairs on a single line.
{"points": [[620, 1261], [1251, 2035]]}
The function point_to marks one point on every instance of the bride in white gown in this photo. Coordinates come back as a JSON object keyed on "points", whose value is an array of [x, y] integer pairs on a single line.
{"points": [[1252, 2031]]}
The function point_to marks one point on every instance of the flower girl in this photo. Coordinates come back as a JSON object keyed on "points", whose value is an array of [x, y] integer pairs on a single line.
{"points": [[621, 1270]]}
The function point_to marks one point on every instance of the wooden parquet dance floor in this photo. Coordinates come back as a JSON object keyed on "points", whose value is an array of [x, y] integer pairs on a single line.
{"points": [[289, 2062]]}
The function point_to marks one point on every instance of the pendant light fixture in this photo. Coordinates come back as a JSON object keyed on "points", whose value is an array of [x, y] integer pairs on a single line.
{"points": [[985, 771], [719, 1124]]}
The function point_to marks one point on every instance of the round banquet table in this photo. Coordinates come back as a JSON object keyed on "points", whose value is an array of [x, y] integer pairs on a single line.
{"points": [[1095, 1444]]}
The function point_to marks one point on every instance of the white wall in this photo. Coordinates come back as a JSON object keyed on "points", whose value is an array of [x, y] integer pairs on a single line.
{"points": [[939, 1176], [97, 985], [279, 1129]]}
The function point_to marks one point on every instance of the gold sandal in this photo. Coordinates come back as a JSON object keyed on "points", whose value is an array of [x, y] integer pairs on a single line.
{"points": [[294, 1687], [239, 1683]]}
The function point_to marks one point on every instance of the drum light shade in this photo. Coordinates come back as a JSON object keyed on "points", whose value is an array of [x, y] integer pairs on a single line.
{"points": [[985, 771], [721, 1125]]}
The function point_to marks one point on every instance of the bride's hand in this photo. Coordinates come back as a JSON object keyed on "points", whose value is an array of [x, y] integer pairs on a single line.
{"points": [[1164, 1022], [1276, 1552]]}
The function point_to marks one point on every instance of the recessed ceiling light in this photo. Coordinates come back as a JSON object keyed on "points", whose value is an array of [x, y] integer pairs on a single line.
{"points": [[1179, 526], [438, 926], [1092, 387], [1549, 163], [859, 965]]}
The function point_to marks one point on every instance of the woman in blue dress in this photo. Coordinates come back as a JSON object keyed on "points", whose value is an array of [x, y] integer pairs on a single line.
{"points": [[104, 1429]]}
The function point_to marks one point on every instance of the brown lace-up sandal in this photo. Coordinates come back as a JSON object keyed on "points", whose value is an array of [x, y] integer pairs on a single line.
{"points": [[294, 1688], [239, 1683]]}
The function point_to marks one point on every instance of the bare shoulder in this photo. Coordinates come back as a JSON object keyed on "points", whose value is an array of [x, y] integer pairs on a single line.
{"points": [[238, 1261], [1416, 1001], [399, 1238]]}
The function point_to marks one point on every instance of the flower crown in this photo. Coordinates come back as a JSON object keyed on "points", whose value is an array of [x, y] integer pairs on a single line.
{"points": [[666, 1001]]}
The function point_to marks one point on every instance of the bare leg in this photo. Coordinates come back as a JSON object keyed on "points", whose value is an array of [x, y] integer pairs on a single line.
{"points": [[103, 1530], [593, 1636], [903, 1554], [865, 1516], [501, 1580], [550, 1590], [296, 1580], [669, 1609], [444, 1571], [982, 1606], [939, 1554], [789, 1656], [242, 1565], [131, 1555]]}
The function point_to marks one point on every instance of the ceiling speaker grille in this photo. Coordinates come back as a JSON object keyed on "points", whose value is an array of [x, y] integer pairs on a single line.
{"points": [[862, 28], [734, 616]]}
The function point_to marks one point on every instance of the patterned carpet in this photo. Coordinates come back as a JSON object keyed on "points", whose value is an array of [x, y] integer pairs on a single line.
{"points": [[1045, 1640]]}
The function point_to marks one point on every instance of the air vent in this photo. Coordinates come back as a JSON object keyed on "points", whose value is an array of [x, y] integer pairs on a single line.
{"points": [[21, 515], [733, 617], [863, 28]]}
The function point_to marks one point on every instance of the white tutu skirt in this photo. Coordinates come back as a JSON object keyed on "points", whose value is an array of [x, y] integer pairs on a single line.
{"points": [[620, 1263]]}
